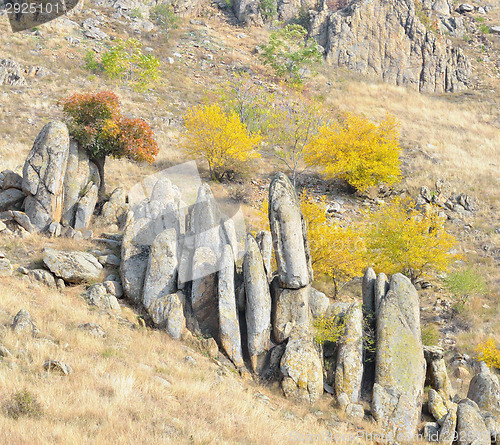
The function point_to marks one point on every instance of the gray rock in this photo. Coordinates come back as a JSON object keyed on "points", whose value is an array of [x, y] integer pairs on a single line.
{"points": [[495, 29], [470, 425], [392, 44], [465, 7], [43, 175], [11, 199], [290, 309], [400, 364], [57, 366], [381, 288], [109, 260], [11, 73], [85, 208], [93, 329], [161, 272], [448, 426], [342, 401], [230, 337], [302, 368], [23, 323], [318, 303], [23, 220], [355, 411], [437, 405], [72, 267], [204, 291], [42, 276], [11, 180], [265, 242], [97, 296], [258, 304], [484, 389], [368, 292], [289, 234], [113, 288], [167, 312], [5, 268], [349, 369], [437, 375], [113, 212], [431, 431]]}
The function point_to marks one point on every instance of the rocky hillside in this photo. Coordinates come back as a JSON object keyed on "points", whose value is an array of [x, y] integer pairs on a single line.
{"points": [[157, 316]]}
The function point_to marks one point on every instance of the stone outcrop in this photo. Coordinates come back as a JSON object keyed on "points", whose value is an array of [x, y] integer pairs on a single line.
{"points": [[470, 425], [167, 313], [484, 389], [400, 364], [229, 325], [43, 175], [72, 267], [349, 369], [289, 233], [437, 375], [11, 199], [302, 368], [387, 40], [258, 305]]}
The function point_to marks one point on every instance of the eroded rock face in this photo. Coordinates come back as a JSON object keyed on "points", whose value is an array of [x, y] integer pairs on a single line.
{"points": [[72, 267], [349, 370], [167, 312], [302, 368], [258, 304], [230, 337], [289, 233], [400, 364], [85, 207], [385, 39], [43, 175], [437, 375], [484, 389]]}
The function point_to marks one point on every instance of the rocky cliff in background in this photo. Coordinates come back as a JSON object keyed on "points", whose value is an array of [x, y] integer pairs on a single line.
{"points": [[387, 39]]}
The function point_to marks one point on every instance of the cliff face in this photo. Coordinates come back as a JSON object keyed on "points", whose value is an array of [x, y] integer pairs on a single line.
{"points": [[386, 39]]}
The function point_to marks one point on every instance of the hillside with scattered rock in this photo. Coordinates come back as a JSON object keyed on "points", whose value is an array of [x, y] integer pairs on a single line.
{"points": [[172, 307]]}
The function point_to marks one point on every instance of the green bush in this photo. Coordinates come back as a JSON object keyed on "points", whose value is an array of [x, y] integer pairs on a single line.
{"points": [[22, 403], [463, 284], [91, 63], [164, 16], [485, 29], [267, 9]]}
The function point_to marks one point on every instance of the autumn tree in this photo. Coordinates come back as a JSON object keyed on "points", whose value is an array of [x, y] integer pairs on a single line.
{"points": [[289, 51], [400, 238], [337, 251], [357, 150], [219, 137], [96, 122]]}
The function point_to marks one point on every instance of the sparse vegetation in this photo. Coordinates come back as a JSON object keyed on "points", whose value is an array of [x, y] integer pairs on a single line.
{"points": [[267, 9], [21, 404], [463, 284], [163, 15], [430, 335], [328, 328], [289, 51]]}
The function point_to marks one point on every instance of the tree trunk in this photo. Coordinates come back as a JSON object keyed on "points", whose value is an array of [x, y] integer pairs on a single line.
{"points": [[99, 162]]}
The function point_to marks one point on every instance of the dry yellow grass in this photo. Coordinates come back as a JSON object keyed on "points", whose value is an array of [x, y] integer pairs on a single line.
{"points": [[114, 394]]}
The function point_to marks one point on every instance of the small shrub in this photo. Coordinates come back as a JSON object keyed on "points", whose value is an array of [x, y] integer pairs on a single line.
{"points": [[289, 51], [328, 328], [485, 29], [267, 9], [91, 63], [221, 138], [430, 335], [463, 284], [22, 403], [135, 13], [488, 353], [164, 16]]}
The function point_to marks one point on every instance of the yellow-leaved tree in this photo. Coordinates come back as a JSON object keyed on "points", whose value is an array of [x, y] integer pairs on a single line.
{"points": [[400, 238], [219, 137], [357, 150], [336, 251], [487, 352]]}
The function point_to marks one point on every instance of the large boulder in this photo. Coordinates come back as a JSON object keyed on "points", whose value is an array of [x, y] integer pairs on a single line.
{"points": [[289, 233], [258, 305], [230, 337], [484, 389], [167, 312], [72, 267], [290, 309], [161, 272], [43, 175], [114, 211], [437, 375], [11, 199], [302, 368], [448, 426], [349, 369], [85, 207], [400, 364], [471, 429]]}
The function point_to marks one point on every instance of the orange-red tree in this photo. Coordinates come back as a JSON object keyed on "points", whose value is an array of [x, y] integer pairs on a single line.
{"points": [[96, 122]]}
